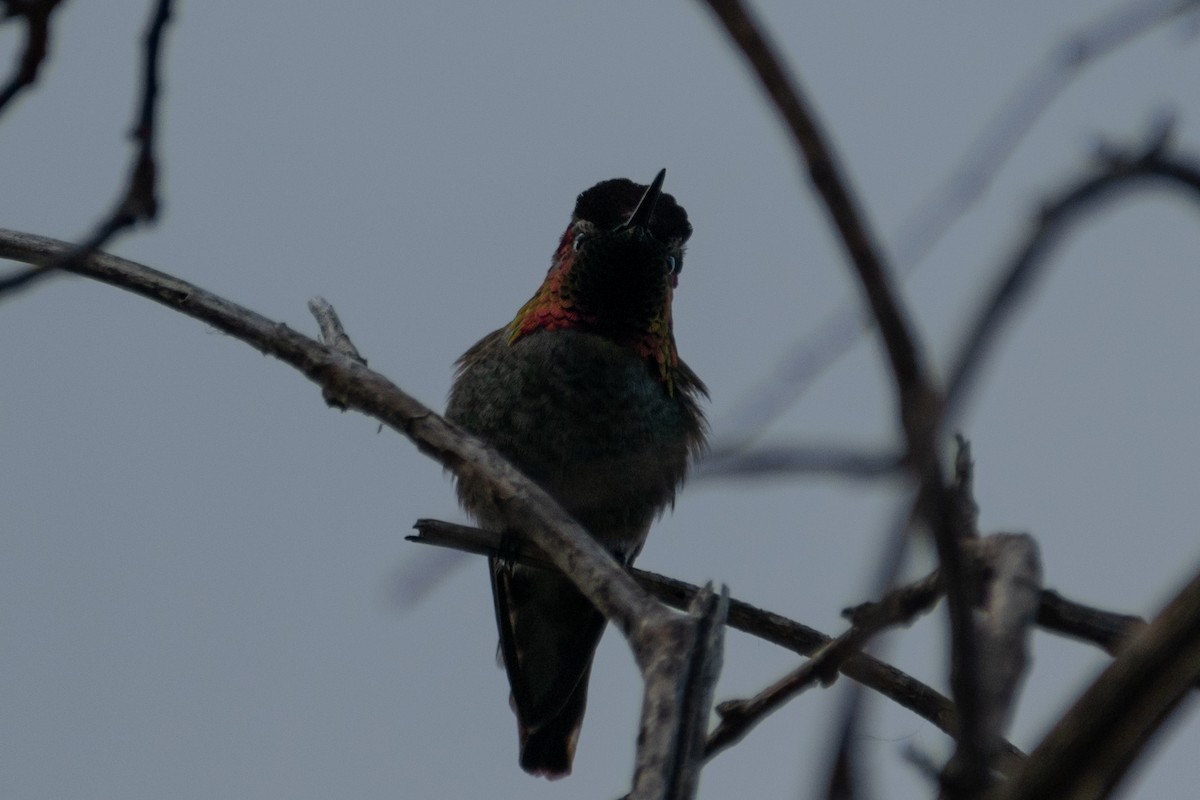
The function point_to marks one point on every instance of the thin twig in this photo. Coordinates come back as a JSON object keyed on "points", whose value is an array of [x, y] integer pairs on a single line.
{"points": [[332, 331], [1008, 125], [36, 14], [738, 717], [334, 335], [900, 606], [139, 202], [1117, 173]]}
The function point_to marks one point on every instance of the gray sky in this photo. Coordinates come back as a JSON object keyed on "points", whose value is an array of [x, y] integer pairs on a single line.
{"points": [[199, 560]]}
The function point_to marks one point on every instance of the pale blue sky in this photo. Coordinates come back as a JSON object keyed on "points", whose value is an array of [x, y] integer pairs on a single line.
{"points": [[198, 559]]}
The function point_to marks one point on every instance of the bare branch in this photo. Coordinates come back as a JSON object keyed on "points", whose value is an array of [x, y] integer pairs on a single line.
{"points": [[1093, 745], [335, 336], [369, 392], [898, 607], [901, 604], [1107, 630]]}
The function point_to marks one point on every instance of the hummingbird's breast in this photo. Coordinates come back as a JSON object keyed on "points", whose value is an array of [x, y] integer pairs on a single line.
{"points": [[588, 419]]}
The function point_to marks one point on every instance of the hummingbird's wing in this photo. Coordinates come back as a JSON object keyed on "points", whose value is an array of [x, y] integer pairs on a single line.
{"points": [[548, 636]]}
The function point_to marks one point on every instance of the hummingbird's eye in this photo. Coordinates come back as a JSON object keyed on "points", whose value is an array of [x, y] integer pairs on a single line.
{"points": [[578, 242], [672, 265]]}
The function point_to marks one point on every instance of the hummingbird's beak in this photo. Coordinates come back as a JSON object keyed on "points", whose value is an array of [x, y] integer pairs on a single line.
{"points": [[640, 218]]}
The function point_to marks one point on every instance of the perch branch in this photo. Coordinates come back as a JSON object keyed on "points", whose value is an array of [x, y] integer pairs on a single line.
{"points": [[801, 639], [660, 639]]}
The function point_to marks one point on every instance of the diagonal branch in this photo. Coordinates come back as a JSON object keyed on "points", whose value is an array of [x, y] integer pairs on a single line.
{"points": [[661, 640], [1094, 744], [527, 506]]}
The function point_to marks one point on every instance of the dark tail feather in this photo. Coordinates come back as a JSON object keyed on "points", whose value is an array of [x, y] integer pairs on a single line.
{"points": [[548, 636], [549, 751]]}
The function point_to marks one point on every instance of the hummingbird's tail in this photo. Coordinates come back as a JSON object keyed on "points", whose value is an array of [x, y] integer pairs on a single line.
{"points": [[548, 635], [548, 751]]}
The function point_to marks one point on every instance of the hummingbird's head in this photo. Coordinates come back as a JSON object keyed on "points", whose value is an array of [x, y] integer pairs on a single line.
{"points": [[626, 239], [615, 269]]}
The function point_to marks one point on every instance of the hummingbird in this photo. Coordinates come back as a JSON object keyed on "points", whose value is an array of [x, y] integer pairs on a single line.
{"points": [[586, 395]]}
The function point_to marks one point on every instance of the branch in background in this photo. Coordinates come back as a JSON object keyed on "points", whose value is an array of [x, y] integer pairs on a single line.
{"points": [[829, 183], [780, 460], [962, 511], [810, 356], [919, 403], [1117, 172], [658, 637], [1091, 748], [1009, 124], [139, 203], [36, 14]]}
